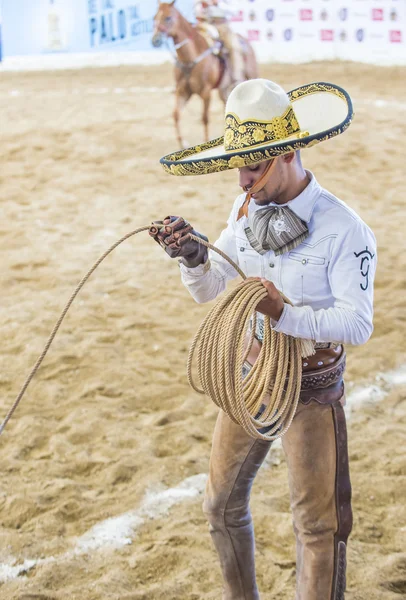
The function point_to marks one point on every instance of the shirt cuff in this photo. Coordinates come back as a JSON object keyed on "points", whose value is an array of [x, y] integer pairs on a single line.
{"points": [[278, 325], [194, 272]]}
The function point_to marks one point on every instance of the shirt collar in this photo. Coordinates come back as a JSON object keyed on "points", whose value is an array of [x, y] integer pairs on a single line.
{"points": [[303, 204]]}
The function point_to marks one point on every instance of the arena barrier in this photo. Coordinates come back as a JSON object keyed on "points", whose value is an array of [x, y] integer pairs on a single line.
{"points": [[280, 30]]}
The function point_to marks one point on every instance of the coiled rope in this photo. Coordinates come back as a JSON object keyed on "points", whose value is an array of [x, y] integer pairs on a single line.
{"points": [[273, 380], [268, 396]]}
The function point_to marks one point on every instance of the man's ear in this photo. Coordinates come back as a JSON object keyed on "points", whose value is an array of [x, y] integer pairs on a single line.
{"points": [[288, 157]]}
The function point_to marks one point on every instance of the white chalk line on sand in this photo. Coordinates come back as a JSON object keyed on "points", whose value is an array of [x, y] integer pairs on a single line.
{"points": [[380, 103], [91, 91], [119, 531], [366, 394], [102, 91], [116, 532]]}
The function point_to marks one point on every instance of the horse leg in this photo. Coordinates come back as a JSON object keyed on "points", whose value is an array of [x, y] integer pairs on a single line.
{"points": [[226, 85], [223, 95], [206, 97], [180, 103]]}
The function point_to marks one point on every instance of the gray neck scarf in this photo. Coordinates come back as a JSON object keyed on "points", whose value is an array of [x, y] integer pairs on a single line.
{"points": [[275, 228]]}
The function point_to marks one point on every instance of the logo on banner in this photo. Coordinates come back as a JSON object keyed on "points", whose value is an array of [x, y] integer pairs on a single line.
{"points": [[324, 15], [327, 35], [252, 16], [109, 25], [238, 16], [288, 34], [306, 14], [343, 14], [377, 14], [253, 35], [393, 15], [56, 37], [269, 35], [343, 35], [395, 37], [270, 14], [359, 34]]}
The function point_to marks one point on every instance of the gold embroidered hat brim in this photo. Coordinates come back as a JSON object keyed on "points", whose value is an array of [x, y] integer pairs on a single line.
{"points": [[212, 157]]}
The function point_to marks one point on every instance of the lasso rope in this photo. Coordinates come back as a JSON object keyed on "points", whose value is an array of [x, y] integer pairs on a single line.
{"points": [[268, 396], [219, 342]]}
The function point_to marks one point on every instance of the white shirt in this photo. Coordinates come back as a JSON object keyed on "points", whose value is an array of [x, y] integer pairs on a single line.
{"points": [[221, 10], [328, 277]]}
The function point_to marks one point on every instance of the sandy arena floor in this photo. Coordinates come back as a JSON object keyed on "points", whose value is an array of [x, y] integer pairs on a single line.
{"points": [[110, 417]]}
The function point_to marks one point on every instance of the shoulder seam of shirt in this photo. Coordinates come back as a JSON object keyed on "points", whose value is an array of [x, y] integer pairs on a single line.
{"points": [[340, 204]]}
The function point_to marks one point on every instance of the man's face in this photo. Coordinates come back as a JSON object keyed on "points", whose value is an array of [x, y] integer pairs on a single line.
{"points": [[248, 176]]}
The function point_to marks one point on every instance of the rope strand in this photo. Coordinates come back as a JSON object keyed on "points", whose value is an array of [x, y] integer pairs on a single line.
{"points": [[58, 324], [219, 346]]}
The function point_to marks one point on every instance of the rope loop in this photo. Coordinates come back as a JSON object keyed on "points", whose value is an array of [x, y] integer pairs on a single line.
{"points": [[268, 396]]}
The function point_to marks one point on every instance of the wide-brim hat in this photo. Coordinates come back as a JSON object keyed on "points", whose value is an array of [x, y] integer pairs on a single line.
{"points": [[262, 121]]}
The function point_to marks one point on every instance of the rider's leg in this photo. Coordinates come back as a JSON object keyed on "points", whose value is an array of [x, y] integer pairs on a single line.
{"points": [[232, 45]]}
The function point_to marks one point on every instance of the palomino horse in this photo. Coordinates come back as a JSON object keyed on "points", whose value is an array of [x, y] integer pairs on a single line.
{"points": [[198, 69]]}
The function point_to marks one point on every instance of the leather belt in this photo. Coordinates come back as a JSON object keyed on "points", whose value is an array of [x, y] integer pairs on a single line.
{"points": [[323, 369], [322, 357], [325, 376]]}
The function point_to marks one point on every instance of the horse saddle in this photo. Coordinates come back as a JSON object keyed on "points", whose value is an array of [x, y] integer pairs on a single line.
{"points": [[210, 34]]}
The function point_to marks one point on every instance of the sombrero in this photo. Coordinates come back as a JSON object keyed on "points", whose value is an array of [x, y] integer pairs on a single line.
{"points": [[263, 121]]}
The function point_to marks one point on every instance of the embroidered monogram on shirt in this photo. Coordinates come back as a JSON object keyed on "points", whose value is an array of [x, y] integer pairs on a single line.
{"points": [[366, 257]]}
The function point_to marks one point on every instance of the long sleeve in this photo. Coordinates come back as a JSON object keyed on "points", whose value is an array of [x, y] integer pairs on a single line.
{"points": [[203, 283], [351, 274]]}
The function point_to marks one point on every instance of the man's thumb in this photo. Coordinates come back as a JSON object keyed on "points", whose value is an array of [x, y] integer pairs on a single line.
{"points": [[268, 285]]}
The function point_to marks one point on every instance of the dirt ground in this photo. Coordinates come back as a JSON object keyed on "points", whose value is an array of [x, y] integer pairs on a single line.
{"points": [[110, 415]]}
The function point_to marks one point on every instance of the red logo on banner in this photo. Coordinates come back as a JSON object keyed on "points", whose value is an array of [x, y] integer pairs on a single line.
{"points": [[395, 36], [377, 14], [306, 14], [238, 16], [327, 35], [253, 35]]}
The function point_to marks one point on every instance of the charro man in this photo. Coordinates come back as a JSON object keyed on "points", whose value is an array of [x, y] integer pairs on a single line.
{"points": [[298, 238], [213, 18]]}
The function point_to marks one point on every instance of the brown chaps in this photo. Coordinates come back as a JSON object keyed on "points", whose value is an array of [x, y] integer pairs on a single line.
{"points": [[316, 452]]}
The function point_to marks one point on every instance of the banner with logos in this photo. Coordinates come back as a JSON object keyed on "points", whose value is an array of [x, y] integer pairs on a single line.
{"points": [[280, 30], [301, 30]]}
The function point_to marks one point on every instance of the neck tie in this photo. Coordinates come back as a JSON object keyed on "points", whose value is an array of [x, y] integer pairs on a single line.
{"points": [[275, 228]]}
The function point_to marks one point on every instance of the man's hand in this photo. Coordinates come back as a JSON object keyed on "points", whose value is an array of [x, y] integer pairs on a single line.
{"points": [[273, 304], [173, 234]]}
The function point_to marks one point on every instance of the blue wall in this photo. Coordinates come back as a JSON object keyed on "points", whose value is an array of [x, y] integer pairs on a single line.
{"points": [[32, 27]]}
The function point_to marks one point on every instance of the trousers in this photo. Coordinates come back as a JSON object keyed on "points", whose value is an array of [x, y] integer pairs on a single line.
{"points": [[315, 447]]}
